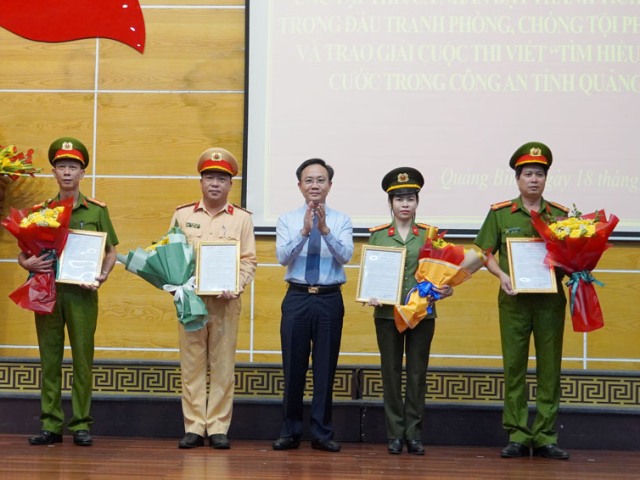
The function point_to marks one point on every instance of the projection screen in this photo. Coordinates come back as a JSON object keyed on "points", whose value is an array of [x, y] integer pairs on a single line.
{"points": [[451, 87]]}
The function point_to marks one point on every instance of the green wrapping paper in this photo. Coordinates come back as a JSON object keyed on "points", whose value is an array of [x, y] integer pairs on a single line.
{"points": [[171, 267]]}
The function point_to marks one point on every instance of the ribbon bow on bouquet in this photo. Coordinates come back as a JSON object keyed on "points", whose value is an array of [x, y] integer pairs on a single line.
{"points": [[170, 265], [440, 263], [575, 244]]}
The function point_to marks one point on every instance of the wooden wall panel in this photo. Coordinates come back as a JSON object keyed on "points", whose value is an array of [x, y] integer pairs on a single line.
{"points": [[164, 134], [186, 49], [149, 116], [50, 66]]}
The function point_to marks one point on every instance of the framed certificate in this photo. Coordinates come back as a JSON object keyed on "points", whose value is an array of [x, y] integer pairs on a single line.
{"points": [[81, 257], [218, 267], [381, 273], [529, 273]]}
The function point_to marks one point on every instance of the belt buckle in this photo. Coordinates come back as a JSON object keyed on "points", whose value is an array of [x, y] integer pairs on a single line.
{"points": [[313, 290]]}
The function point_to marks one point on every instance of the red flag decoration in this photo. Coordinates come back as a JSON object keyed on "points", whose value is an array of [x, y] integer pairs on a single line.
{"points": [[65, 20]]}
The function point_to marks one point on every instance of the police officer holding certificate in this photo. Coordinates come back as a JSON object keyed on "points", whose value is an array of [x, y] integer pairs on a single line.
{"points": [[525, 314]]}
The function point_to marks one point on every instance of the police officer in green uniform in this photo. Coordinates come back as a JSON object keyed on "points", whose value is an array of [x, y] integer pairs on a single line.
{"points": [[403, 416], [525, 314], [76, 305]]}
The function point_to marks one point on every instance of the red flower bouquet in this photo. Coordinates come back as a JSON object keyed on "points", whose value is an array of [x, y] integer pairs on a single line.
{"points": [[575, 244], [39, 230], [440, 263]]}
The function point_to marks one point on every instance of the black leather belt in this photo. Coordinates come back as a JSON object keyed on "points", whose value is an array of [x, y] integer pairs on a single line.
{"points": [[315, 289]]}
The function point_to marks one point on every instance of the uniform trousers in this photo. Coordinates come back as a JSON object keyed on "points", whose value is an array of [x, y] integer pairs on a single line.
{"points": [[404, 417], [77, 308], [311, 325], [212, 349], [523, 315]]}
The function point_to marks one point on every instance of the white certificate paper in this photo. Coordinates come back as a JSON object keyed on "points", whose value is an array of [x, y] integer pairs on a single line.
{"points": [[218, 268], [81, 257], [381, 273], [529, 273]]}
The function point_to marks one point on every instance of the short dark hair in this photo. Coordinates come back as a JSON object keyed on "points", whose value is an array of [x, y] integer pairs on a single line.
{"points": [[314, 161]]}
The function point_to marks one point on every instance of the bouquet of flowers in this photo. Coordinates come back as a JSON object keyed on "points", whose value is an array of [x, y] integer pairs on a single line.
{"points": [[575, 244], [169, 265], [440, 263], [14, 164], [40, 230]]}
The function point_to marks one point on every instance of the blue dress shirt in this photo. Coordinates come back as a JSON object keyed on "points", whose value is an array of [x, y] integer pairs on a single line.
{"points": [[336, 248]]}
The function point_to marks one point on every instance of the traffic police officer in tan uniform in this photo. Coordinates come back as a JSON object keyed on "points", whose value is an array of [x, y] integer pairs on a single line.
{"points": [[213, 347], [76, 305], [524, 314]]}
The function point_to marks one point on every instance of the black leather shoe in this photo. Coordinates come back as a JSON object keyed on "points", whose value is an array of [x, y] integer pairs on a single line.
{"points": [[414, 447], [286, 443], [551, 451], [394, 446], [326, 445], [45, 437], [191, 440], [82, 438], [219, 441], [514, 450]]}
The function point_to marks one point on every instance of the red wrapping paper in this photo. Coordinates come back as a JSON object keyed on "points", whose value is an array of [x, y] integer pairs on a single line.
{"points": [[38, 293], [578, 257]]}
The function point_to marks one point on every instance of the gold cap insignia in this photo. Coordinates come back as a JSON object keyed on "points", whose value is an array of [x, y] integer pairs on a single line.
{"points": [[403, 177], [535, 152], [216, 156], [67, 146]]}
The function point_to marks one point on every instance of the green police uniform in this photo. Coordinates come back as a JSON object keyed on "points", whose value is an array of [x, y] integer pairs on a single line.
{"points": [[521, 316], [403, 418], [77, 308]]}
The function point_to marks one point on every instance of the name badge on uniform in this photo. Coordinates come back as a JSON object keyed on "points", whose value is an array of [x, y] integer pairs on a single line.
{"points": [[192, 225], [513, 230]]}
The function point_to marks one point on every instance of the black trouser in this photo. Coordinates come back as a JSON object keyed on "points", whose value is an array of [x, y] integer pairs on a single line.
{"points": [[311, 324]]}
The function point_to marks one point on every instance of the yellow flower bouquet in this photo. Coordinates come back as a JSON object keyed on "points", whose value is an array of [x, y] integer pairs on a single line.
{"points": [[16, 164]]}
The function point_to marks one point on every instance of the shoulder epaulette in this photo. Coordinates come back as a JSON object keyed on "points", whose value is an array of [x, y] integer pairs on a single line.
{"points": [[559, 207], [498, 206], [423, 226], [379, 227], [186, 205], [241, 208], [96, 202]]}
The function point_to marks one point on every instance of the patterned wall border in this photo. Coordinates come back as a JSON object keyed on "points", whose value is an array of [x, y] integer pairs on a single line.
{"points": [[473, 386]]}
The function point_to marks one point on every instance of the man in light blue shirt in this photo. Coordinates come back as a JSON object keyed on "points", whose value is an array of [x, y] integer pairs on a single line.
{"points": [[314, 242]]}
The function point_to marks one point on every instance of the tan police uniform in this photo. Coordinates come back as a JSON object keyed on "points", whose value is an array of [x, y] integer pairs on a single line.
{"points": [[213, 347]]}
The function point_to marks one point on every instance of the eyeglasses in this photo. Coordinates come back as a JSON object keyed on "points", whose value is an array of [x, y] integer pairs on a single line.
{"points": [[310, 181]]}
